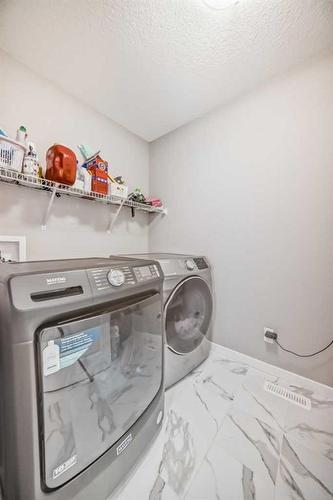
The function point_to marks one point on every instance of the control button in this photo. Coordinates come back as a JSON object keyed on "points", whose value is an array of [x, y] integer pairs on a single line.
{"points": [[189, 264], [116, 277]]}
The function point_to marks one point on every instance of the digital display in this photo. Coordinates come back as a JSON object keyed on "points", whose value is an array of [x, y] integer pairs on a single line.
{"points": [[146, 272]]}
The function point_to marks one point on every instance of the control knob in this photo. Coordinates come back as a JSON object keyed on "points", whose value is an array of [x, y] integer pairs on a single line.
{"points": [[189, 264], [116, 277]]}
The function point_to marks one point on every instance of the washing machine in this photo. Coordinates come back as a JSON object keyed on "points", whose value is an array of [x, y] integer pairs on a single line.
{"points": [[81, 370], [188, 312]]}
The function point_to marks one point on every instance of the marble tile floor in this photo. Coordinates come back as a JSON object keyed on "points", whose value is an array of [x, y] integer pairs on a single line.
{"points": [[225, 438]]}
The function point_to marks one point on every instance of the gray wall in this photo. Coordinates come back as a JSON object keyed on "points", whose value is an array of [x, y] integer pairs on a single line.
{"points": [[251, 186], [77, 227]]}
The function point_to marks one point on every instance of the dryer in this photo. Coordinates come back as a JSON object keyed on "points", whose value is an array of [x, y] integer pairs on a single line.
{"points": [[188, 312], [81, 369]]}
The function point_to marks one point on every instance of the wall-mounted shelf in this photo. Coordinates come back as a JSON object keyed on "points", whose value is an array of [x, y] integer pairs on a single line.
{"points": [[32, 182]]}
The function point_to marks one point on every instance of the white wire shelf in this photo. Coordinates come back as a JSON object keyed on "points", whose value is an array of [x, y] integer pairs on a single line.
{"points": [[30, 181]]}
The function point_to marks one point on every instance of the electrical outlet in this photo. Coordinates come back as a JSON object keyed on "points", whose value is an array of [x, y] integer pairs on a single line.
{"points": [[267, 339]]}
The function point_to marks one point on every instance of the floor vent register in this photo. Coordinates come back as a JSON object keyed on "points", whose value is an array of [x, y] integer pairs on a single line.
{"points": [[290, 396]]}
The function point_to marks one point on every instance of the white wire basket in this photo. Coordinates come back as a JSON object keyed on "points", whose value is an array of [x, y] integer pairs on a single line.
{"points": [[11, 154]]}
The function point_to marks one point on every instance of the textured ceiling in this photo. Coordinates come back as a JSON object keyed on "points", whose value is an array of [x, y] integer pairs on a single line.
{"points": [[153, 65]]}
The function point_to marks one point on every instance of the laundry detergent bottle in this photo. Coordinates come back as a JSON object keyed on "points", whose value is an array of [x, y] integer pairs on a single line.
{"points": [[60, 165], [51, 358]]}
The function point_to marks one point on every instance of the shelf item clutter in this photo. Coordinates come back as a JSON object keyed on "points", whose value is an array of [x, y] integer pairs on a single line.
{"points": [[19, 164], [34, 182], [62, 166]]}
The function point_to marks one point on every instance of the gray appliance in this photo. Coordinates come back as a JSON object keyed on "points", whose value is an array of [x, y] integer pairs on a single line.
{"points": [[81, 368], [188, 312]]}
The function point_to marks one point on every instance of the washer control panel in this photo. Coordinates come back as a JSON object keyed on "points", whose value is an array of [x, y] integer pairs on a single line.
{"points": [[144, 273], [103, 279]]}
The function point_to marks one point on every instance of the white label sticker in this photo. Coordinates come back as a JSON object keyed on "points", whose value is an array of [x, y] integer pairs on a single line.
{"points": [[64, 352], [123, 445], [65, 466]]}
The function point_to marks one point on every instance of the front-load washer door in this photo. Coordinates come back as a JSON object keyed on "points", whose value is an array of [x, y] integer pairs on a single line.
{"points": [[97, 375], [188, 314]]}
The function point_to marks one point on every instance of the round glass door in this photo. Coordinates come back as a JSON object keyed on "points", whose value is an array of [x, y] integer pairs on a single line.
{"points": [[188, 313]]}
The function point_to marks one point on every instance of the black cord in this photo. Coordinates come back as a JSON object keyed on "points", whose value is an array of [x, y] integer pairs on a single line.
{"points": [[304, 355]]}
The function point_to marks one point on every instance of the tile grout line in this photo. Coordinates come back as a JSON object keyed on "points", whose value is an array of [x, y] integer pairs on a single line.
{"points": [[278, 468], [204, 457]]}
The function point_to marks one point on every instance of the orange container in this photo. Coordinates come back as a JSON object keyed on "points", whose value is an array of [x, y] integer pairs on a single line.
{"points": [[61, 165]]}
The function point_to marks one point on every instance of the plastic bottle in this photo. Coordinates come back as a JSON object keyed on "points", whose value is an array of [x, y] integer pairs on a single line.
{"points": [[21, 134], [51, 358]]}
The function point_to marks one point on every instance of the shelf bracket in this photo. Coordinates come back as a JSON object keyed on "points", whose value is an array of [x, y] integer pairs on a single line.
{"points": [[48, 209], [113, 219]]}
